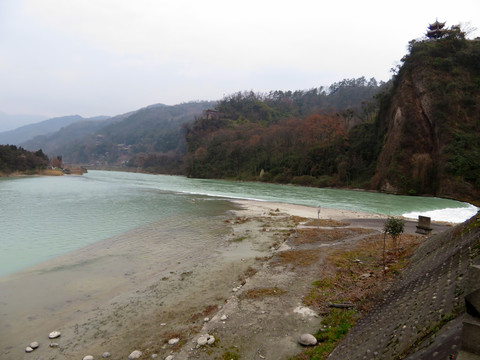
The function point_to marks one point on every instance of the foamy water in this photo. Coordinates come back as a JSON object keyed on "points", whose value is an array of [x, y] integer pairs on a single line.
{"points": [[453, 215]]}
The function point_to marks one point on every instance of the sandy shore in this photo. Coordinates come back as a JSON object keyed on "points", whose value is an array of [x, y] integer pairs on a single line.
{"points": [[254, 208], [131, 292]]}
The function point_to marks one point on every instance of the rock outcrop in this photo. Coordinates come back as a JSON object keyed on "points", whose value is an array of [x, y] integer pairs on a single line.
{"points": [[428, 122]]}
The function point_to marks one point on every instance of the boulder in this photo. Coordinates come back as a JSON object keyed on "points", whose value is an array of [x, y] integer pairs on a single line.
{"points": [[307, 340], [202, 340], [88, 357], [173, 341], [54, 334], [34, 345], [135, 355]]}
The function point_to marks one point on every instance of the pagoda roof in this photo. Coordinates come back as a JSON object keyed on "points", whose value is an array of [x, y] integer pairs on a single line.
{"points": [[436, 25]]}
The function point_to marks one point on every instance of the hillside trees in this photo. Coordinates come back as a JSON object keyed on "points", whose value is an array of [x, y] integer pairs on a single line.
{"points": [[291, 150], [13, 158], [301, 136]]}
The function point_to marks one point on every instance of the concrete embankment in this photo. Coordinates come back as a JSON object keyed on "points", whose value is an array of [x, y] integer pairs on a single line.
{"points": [[423, 316]]}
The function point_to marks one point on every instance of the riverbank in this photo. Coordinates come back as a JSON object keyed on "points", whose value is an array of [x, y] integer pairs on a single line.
{"points": [[46, 172], [128, 293], [38, 172]]}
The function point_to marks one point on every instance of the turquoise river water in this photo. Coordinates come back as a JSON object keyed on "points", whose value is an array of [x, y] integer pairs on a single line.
{"points": [[43, 217]]}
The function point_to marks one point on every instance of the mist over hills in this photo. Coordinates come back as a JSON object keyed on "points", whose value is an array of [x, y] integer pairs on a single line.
{"points": [[51, 142], [27, 132], [10, 122], [116, 140]]}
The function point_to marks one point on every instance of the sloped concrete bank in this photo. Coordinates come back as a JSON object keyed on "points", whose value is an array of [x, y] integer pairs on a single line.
{"points": [[422, 315]]}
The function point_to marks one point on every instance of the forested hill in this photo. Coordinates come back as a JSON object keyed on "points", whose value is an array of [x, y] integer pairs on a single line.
{"points": [[150, 138], [16, 159], [420, 136], [296, 137]]}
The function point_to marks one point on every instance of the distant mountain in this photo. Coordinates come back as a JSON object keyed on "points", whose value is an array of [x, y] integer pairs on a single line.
{"points": [[27, 132], [52, 142], [9, 122], [153, 131]]}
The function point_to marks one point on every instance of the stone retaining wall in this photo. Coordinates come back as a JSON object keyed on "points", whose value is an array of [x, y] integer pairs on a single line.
{"points": [[420, 317]]}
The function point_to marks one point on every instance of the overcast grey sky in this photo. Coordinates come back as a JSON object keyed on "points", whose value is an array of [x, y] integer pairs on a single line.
{"points": [[107, 57]]}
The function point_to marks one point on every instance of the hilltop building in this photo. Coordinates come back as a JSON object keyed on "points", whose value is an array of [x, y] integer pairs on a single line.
{"points": [[436, 30]]}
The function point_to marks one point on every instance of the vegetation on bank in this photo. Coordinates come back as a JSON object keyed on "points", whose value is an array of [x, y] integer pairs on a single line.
{"points": [[300, 137], [350, 283], [15, 159], [418, 134]]}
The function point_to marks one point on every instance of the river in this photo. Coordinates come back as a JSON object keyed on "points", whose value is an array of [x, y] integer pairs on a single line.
{"points": [[44, 217]]}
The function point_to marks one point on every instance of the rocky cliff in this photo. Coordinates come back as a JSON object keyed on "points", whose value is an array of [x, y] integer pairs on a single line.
{"points": [[430, 122]]}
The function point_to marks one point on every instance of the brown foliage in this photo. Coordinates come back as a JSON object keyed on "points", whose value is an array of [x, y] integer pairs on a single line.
{"points": [[261, 292], [326, 223], [321, 128], [207, 311], [297, 257], [247, 274], [309, 236]]}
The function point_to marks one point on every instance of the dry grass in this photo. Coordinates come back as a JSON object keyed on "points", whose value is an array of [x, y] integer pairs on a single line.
{"points": [[274, 213], [44, 172], [257, 293], [239, 238], [299, 219], [51, 172], [311, 236], [158, 343], [182, 335], [357, 275], [241, 220], [206, 312], [297, 258], [75, 170], [247, 274], [326, 223], [238, 220]]}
